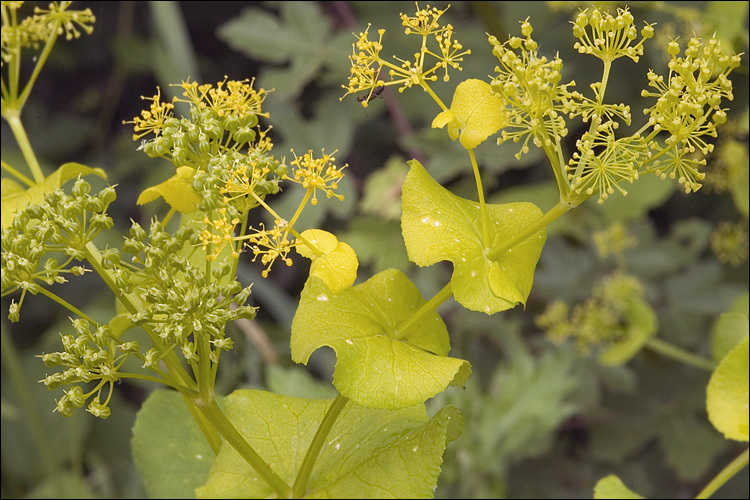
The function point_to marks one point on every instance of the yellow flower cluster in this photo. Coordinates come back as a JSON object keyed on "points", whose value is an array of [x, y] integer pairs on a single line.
{"points": [[367, 63], [271, 244], [229, 98], [314, 174], [152, 120]]}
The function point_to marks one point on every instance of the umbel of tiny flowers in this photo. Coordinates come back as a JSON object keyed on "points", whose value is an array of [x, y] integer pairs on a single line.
{"points": [[438, 46], [222, 119], [688, 107], [311, 173], [62, 224]]}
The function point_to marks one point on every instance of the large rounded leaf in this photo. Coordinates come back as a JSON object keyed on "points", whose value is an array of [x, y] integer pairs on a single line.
{"points": [[370, 453]]}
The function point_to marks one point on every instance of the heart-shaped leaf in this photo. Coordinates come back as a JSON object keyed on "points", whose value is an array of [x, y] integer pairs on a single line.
{"points": [[438, 225], [370, 453], [385, 360]]}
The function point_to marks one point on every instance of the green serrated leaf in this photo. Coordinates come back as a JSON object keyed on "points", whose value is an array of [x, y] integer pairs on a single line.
{"points": [[475, 113], [438, 225], [612, 487], [371, 453], [18, 199], [177, 191], [169, 451], [379, 363], [727, 394]]}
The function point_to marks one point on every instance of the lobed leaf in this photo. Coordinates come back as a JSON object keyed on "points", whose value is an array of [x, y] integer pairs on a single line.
{"points": [[370, 453], [438, 225], [380, 364]]}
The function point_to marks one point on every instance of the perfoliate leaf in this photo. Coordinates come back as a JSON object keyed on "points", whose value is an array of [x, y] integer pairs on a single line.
{"points": [[612, 487], [177, 191], [169, 450], [475, 111], [15, 199], [370, 453], [380, 364], [727, 394], [438, 225], [337, 267], [642, 325]]}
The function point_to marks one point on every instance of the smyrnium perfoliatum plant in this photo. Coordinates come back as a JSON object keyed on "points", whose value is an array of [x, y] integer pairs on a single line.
{"points": [[175, 282]]}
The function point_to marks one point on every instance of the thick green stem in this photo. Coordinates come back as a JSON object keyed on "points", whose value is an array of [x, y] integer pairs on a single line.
{"points": [[681, 355], [229, 432], [303, 475]]}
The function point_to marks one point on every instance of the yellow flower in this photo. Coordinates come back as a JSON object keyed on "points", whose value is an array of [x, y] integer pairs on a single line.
{"points": [[314, 174], [152, 121]]}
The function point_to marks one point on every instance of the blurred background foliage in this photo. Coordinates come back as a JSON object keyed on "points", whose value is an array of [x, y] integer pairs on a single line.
{"points": [[541, 420]]}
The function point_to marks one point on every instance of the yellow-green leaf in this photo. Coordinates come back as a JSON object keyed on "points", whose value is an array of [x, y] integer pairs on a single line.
{"points": [[612, 487], [370, 453], [15, 199], [727, 394], [177, 191], [384, 359], [475, 111], [337, 267], [438, 225]]}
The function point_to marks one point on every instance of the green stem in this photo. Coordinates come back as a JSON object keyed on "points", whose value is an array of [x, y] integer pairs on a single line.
{"points": [[542, 222], [725, 475], [303, 475], [301, 206], [14, 120], [94, 258], [482, 205], [204, 424], [228, 431], [674, 352], [18, 175], [433, 95], [67, 305], [428, 307], [174, 367]]}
